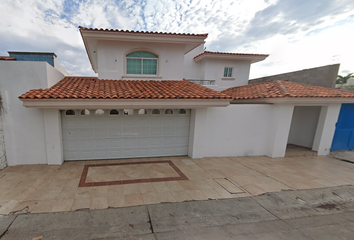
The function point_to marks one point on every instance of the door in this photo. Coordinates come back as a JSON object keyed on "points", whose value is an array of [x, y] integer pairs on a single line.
{"points": [[344, 135], [124, 133]]}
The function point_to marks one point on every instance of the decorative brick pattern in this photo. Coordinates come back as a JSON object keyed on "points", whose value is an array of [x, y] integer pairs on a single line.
{"points": [[84, 183], [284, 89], [94, 88]]}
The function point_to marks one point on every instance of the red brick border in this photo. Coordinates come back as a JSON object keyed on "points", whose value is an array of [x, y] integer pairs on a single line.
{"points": [[83, 182]]}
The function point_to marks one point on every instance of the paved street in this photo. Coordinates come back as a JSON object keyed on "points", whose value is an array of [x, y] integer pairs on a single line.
{"points": [[325, 213]]}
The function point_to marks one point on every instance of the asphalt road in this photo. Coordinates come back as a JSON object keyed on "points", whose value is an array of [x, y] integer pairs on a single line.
{"points": [[326, 213]]}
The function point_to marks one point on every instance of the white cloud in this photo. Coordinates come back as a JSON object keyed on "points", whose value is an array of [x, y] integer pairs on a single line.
{"points": [[297, 34]]}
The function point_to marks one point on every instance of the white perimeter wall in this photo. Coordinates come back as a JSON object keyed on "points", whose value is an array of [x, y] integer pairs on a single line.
{"points": [[304, 125], [24, 127], [111, 59], [238, 130], [257, 129]]}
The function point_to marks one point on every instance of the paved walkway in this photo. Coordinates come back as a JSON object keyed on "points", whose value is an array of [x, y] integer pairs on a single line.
{"points": [[134, 182], [306, 214]]}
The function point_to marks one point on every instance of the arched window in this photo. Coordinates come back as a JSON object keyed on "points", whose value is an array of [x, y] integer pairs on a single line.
{"points": [[142, 111], [114, 112], [155, 111], [142, 63], [85, 112], [169, 111], [182, 111], [70, 112], [128, 111], [99, 112]]}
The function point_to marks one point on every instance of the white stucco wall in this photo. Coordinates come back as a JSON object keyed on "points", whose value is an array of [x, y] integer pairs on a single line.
{"points": [[259, 129], [23, 127], [53, 135], [60, 68], [3, 162], [111, 59], [236, 130], [304, 125], [214, 70], [191, 69], [325, 128]]}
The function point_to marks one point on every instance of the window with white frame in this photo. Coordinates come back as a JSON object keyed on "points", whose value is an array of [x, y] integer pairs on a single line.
{"points": [[227, 72], [141, 63]]}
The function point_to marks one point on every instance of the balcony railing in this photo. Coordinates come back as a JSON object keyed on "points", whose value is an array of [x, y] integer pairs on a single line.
{"points": [[202, 82]]}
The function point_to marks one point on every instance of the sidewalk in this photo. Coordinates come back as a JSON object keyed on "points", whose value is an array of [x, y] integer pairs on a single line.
{"points": [[325, 213], [134, 182]]}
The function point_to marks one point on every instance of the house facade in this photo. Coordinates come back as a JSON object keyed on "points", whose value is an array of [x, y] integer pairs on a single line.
{"points": [[156, 95]]}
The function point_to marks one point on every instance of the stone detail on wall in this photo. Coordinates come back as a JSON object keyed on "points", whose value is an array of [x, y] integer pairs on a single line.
{"points": [[3, 162], [324, 76]]}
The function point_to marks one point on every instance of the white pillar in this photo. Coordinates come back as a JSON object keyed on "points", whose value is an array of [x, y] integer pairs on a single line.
{"points": [[197, 132], [53, 136], [279, 130], [325, 129]]}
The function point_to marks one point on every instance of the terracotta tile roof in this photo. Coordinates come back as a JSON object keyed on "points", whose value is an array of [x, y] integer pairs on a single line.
{"points": [[7, 58], [285, 89], [94, 88], [232, 54], [144, 32]]}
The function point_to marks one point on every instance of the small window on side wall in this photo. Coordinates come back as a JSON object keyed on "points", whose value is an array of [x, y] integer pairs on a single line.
{"points": [[70, 112], [227, 72], [85, 112], [169, 111], [155, 111], [182, 111], [114, 112], [142, 112], [99, 112]]}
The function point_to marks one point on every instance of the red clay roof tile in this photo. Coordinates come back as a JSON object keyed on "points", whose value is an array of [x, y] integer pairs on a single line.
{"points": [[284, 89], [127, 31], [93, 88], [7, 58]]}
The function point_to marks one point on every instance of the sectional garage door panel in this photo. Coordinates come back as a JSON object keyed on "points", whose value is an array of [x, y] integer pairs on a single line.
{"points": [[124, 136]]}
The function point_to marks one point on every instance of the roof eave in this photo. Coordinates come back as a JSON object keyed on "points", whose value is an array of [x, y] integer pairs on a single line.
{"points": [[124, 103], [252, 59], [191, 41], [87, 51], [297, 101]]}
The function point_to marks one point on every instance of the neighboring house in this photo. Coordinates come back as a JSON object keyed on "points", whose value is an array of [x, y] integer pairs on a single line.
{"points": [[141, 104], [324, 76]]}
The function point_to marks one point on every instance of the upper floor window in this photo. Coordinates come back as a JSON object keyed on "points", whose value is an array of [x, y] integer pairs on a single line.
{"points": [[142, 63], [227, 72]]}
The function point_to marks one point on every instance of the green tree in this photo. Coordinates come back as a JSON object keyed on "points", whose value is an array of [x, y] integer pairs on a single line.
{"points": [[343, 79]]}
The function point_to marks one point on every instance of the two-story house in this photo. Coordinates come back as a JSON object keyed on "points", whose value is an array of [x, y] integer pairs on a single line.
{"points": [[157, 95]]}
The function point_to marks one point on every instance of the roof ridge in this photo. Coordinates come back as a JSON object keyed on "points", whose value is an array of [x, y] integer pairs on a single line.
{"points": [[283, 88]]}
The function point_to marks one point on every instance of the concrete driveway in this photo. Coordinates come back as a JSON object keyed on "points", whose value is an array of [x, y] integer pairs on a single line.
{"points": [[132, 182]]}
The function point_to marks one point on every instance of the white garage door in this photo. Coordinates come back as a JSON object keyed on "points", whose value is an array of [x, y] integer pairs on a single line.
{"points": [[124, 133]]}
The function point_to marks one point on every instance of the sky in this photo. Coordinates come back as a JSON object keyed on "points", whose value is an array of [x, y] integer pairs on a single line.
{"points": [[298, 34]]}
